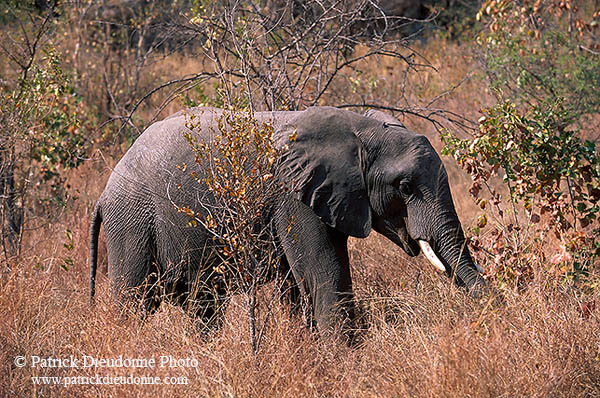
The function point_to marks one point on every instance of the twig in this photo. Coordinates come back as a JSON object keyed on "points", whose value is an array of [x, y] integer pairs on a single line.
{"points": [[423, 113], [588, 50], [128, 119]]}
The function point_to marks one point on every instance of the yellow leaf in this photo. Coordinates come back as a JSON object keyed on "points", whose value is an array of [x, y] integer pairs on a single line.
{"points": [[482, 221]]}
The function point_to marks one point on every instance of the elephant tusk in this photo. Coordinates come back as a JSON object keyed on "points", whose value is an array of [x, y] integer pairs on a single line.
{"points": [[479, 269], [430, 255]]}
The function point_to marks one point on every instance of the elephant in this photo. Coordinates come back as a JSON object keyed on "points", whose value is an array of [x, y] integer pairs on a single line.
{"points": [[347, 174]]}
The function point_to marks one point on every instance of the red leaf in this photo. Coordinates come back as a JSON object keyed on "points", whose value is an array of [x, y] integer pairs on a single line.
{"points": [[561, 256], [475, 189], [587, 308]]}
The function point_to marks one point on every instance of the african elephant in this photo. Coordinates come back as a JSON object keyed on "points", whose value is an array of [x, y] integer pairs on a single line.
{"points": [[348, 174]]}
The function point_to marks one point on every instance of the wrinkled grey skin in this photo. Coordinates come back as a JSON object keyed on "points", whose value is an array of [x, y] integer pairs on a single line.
{"points": [[346, 174]]}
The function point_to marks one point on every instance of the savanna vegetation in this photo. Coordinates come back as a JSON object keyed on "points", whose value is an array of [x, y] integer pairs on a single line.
{"points": [[509, 91]]}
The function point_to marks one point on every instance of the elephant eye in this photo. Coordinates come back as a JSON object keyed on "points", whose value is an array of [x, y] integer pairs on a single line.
{"points": [[405, 188]]}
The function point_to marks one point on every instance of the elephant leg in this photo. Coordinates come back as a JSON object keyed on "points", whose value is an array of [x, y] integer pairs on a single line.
{"points": [[318, 258], [132, 271], [202, 301], [289, 290]]}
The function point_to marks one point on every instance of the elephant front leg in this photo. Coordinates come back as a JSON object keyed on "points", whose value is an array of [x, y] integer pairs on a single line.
{"points": [[318, 258]]}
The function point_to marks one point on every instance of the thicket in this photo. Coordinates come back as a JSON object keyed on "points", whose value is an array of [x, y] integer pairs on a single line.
{"points": [[541, 61], [43, 128]]}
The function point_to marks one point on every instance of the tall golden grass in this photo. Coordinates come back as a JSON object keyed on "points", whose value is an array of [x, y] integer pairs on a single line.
{"points": [[420, 337]]}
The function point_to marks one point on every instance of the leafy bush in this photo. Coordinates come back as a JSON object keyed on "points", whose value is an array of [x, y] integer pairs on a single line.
{"points": [[554, 178], [543, 55], [543, 66], [238, 162], [42, 136]]}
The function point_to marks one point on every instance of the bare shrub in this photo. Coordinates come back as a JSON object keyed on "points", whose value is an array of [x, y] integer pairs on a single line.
{"points": [[284, 59]]}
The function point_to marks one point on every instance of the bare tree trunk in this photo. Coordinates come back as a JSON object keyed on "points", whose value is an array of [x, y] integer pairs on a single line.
{"points": [[11, 214], [252, 318]]}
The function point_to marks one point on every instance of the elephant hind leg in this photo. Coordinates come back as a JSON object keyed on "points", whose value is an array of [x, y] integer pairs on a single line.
{"points": [[138, 291], [133, 272]]}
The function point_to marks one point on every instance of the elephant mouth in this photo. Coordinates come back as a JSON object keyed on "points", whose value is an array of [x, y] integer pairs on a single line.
{"points": [[408, 244], [399, 235], [413, 247]]}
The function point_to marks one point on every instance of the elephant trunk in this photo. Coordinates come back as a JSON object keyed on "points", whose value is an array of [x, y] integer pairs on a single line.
{"points": [[450, 246]]}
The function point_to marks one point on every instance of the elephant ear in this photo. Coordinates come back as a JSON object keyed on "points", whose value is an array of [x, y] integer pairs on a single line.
{"points": [[383, 117], [322, 164]]}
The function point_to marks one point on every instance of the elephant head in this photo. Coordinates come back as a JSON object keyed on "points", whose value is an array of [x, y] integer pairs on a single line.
{"points": [[360, 173], [411, 201]]}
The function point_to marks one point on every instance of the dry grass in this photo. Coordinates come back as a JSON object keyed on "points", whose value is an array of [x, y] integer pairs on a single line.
{"points": [[421, 338]]}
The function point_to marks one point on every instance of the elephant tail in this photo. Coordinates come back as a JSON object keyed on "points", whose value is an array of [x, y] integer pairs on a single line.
{"points": [[94, 232]]}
